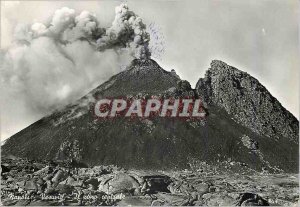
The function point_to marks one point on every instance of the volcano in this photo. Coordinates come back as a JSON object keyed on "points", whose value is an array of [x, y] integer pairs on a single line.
{"points": [[244, 124]]}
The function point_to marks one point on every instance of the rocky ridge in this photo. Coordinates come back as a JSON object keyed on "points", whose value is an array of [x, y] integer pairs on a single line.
{"points": [[250, 103]]}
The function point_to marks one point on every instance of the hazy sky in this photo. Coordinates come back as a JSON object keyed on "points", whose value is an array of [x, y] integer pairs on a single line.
{"points": [[257, 36]]}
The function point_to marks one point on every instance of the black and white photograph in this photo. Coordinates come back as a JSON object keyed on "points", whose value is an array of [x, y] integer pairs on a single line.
{"points": [[149, 102]]}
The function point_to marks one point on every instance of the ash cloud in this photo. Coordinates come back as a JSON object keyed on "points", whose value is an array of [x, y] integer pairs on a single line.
{"points": [[50, 65], [127, 30]]}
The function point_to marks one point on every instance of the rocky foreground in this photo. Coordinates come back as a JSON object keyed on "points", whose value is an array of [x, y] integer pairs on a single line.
{"points": [[26, 182]]}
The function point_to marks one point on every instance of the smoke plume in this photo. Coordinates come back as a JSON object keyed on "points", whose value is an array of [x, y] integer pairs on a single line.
{"points": [[51, 64], [127, 30]]}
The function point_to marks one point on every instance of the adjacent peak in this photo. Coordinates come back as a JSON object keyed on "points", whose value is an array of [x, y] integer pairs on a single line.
{"points": [[219, 67], [218, 64], [244, 97]]}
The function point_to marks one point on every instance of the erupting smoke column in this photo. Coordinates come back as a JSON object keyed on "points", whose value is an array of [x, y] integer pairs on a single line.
{"points": [[128, 31], [50, 65]]}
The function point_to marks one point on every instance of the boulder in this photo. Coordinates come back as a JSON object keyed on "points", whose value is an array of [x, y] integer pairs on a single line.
{"points": [[59, 176], [4, 169], [251, 199], [31, 185], [155, 183], [93, 182], [119, 183]]}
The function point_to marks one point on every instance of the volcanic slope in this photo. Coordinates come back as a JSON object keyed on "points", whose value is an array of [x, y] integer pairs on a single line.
{"points": [[256, 132]]}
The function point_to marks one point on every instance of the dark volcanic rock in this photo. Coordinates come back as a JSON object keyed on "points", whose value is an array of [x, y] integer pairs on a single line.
{"points": [[250, 199], [141, 76], [4, 169], [251, 105], [248, 101]]}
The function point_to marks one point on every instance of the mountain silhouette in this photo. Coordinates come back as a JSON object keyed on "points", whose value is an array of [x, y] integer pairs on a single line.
{"points": [[244, 124]]}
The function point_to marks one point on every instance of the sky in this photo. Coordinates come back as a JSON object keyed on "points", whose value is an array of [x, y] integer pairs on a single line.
{"points": [[259, 37]]}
